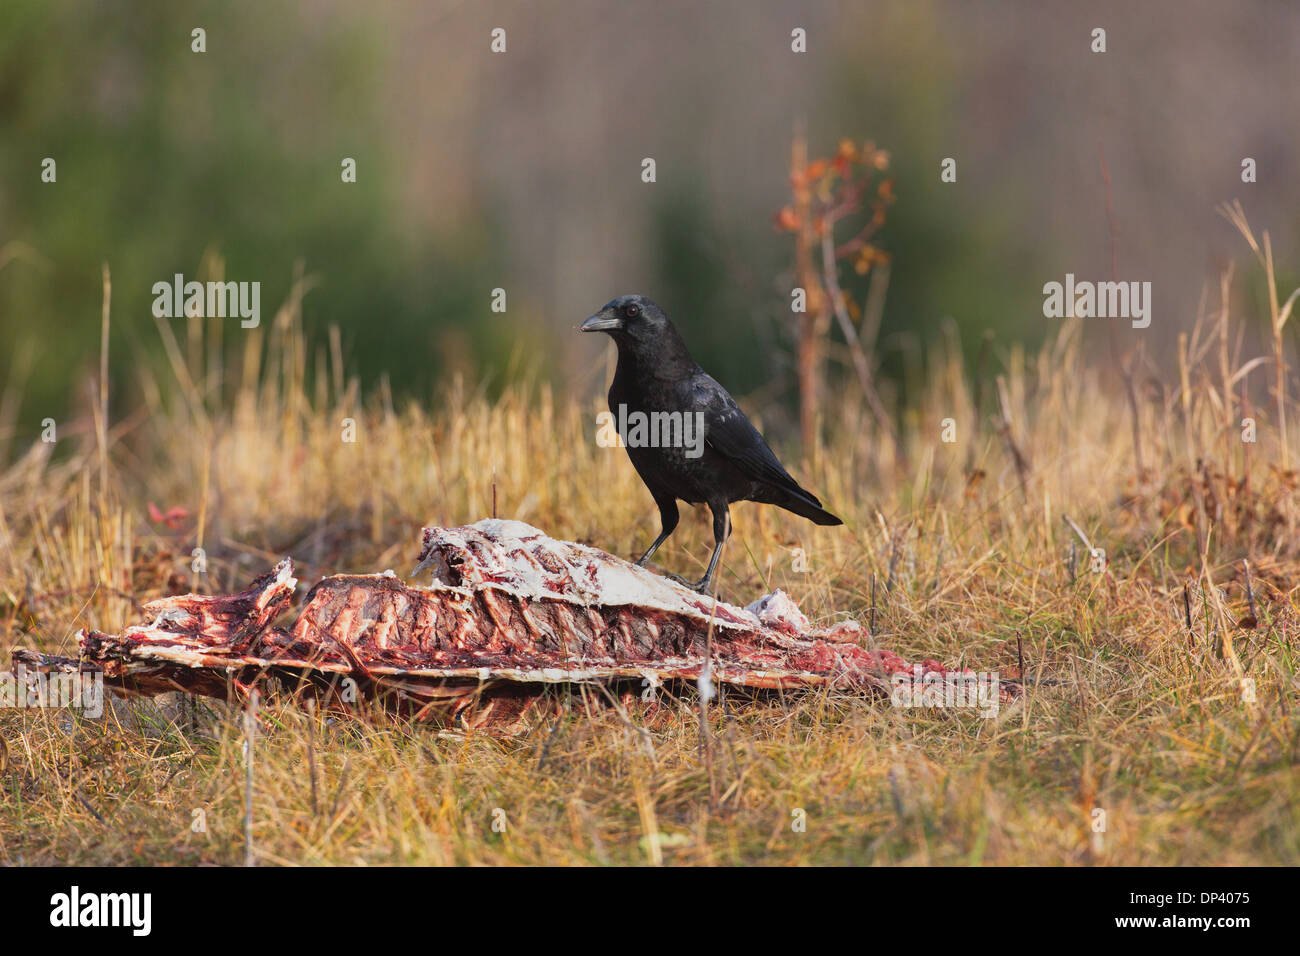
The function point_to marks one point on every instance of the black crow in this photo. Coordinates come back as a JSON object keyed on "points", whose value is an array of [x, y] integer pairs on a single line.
{"points": [[660, 397]]}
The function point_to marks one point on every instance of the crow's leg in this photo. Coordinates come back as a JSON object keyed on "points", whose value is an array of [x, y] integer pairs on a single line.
{"points": [[721, 530], [668, 517]]}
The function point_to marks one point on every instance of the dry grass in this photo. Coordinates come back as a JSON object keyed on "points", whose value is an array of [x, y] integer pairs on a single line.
{"points": [[1144, 717]]}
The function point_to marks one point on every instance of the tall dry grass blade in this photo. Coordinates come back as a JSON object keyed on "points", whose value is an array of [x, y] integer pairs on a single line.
{"points": [[250, 742], [1225, 286], [101, 422]]}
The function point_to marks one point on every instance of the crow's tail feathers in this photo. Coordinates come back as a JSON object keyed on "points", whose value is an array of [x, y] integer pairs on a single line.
{"points": [[806, 506]]}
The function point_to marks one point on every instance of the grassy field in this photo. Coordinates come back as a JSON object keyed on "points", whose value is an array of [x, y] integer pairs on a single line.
{"points": [[1165, 711]]}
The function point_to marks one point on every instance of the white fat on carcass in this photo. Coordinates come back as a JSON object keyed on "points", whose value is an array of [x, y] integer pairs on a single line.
{"points": [[516, 557], [284, 575], [776, 609]]}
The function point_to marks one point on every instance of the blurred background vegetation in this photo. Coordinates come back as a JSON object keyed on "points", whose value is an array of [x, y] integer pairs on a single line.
{"points": [[522, 171]]}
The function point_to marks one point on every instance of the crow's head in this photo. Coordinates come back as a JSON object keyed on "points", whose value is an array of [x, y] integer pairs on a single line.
{"points": [[643, 334], [630, 319]]}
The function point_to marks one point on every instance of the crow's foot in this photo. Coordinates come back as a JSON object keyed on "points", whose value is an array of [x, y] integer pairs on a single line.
{"points": [[703, 585]]}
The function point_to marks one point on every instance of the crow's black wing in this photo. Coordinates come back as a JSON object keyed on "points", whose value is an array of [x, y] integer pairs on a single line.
{"points": [[730, 434]]}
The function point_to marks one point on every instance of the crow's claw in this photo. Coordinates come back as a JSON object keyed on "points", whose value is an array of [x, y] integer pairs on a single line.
{"points": [[702, 585]]}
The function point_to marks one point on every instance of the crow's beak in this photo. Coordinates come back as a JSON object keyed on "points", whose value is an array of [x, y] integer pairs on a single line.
{"points": [[601, 322]]}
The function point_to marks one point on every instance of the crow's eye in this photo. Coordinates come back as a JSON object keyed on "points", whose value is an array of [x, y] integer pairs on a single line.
{"points": [[632, 311]]}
